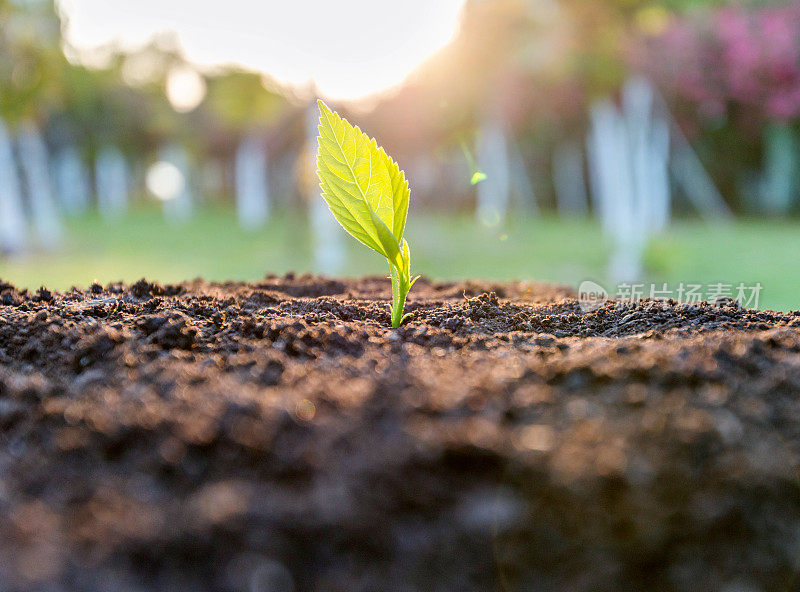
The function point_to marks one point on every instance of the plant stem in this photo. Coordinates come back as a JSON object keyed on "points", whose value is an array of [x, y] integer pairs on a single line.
{"points": [[400, 287]]}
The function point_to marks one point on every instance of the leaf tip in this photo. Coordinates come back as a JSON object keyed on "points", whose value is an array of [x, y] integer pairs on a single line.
{"points": [[324, 110]]}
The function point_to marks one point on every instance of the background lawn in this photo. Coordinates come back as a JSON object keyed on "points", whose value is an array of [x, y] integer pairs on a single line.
{"points": [[442, 247]]}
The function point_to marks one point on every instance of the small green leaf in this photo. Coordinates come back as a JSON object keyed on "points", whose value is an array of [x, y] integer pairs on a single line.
{"points": [[360, 184], [477, 177], [368, 195]]}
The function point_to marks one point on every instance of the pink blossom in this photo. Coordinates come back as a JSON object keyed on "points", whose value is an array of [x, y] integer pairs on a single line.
{"points": [[745, 58]]}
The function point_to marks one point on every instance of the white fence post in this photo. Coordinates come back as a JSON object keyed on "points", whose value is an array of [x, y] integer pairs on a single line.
{"points": [[629, 157], [779, 184], [72, 185], [568, 179], [13, 228], [493, 191], [614, 191], [252, 183], [179, 209], [111, 178], [36, 172]]}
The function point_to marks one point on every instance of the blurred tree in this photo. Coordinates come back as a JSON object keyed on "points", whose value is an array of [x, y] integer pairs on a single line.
{"points": [[31, 60], [242, 101], [532, 65], [237, 104]]}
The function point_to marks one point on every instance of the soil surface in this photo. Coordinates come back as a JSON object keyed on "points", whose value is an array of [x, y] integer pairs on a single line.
{"points": [[279, 437]]}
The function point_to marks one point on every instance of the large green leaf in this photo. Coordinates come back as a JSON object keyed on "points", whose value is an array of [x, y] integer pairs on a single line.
{"points": [[364, 188], [400, 195]]}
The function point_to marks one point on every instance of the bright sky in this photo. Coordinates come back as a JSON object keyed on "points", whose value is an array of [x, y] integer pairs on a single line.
{"points": [[350, 48]]}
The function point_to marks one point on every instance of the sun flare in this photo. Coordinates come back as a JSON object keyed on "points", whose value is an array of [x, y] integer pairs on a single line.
{"points": [[349, 49]]}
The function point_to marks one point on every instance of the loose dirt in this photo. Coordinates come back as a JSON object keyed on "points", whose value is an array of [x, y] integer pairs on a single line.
{"points": [[278, 436]]}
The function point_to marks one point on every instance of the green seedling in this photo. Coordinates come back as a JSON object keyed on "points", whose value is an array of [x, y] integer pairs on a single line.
{"points": [[368, 195]]}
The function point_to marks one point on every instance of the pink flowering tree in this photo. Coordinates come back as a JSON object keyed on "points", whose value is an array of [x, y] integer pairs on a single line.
{"points": [[733, 63], [732, 76]]}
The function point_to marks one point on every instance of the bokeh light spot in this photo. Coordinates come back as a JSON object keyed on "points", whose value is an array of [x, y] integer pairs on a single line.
{"points": [[186, 89], [165, 180]]}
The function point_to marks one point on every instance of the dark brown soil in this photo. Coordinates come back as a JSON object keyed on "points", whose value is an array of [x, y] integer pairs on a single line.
{"points": [[277, 437]]}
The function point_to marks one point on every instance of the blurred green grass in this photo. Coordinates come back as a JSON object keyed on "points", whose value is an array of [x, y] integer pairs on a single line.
{"points": [[212, 246]]}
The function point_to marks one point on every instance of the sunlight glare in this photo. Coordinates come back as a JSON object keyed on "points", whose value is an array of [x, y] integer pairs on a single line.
{"points": [[349, 48], [186, 89], [165, 180]]}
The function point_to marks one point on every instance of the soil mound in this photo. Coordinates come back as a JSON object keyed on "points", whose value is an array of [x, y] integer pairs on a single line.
{"points": [[279, 436]]}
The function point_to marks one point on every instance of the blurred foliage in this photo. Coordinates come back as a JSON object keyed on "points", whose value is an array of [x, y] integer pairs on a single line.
{"points": [[730, 74], [97, 108], [241, 100], [534, 64], [31, 60]]}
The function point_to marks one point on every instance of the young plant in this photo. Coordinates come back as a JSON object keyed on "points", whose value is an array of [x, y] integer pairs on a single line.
{"points": [[368, 195]]}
